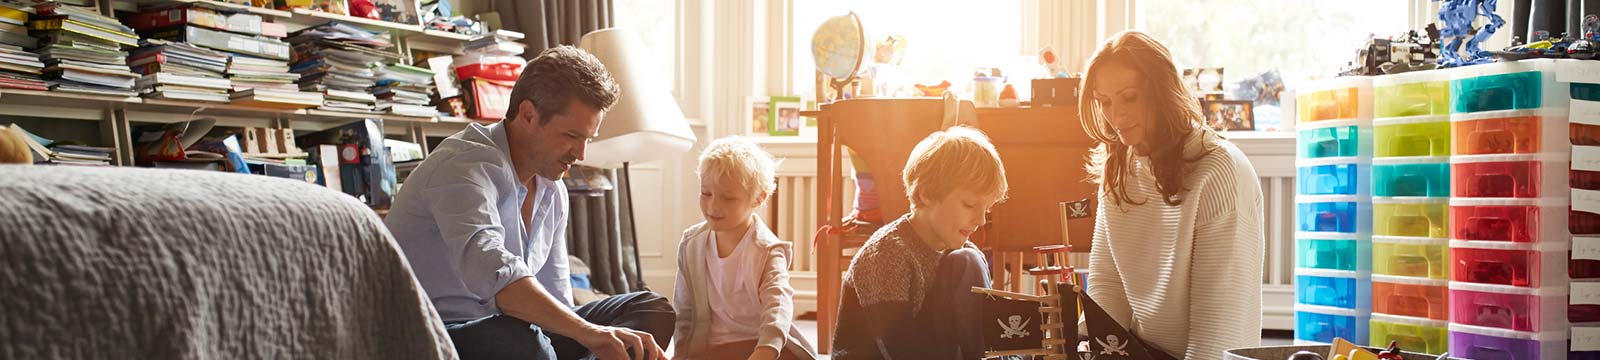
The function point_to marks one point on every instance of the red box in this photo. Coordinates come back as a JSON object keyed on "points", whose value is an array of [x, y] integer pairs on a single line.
{"points": [[488, 99], [1513, 264], [490, 71], [1509, 220], [1509, 176]]}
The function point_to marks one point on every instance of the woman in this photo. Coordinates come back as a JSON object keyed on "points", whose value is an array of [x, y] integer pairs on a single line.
{"points": [[1177, 239]]}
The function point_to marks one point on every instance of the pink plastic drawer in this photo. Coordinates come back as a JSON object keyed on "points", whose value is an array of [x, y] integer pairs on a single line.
{"points": [[1414, 297], [1508, 176], [1509, 308], [1504, 263], [1512, 220]]}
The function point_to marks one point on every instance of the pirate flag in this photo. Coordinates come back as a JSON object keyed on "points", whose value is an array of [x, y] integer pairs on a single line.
{"points": [[1109, 341], [1011, 324], [1077, 209]]}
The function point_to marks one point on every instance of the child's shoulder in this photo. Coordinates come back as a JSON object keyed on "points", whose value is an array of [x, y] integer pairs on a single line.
{"points": [[694, 231]]}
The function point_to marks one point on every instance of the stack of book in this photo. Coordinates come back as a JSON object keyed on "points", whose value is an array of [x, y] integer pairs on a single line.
{"points": [[404, 90], [82, 50], [338, 60], [258, 64], [46, 151], [175, 70], [19, 68]]}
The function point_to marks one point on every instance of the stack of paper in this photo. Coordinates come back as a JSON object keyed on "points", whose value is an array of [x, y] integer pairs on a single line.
{"points": [[273, 98], [46, 151], [19, 68], [252, 72], [175, 70], [82, 50], [404, 90], [340, 61]]}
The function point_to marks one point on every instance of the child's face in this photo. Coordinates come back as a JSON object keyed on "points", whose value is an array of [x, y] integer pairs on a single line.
{"points": [[724, 204], [955, 217]]}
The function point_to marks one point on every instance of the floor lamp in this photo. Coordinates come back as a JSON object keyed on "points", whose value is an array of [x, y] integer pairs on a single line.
{"points": [[645, 124]]}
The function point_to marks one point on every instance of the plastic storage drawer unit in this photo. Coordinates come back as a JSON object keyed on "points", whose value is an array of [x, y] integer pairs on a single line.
{"points": [[1411, 257], [1528, 84], [1513, 220], [1404, 296], [1411, 94], [1335, 99], [1476, 342], [1411, 176], [1321, 324], [1340, 289], [1413, 334], [1510, 132], [1508, 263], [1412, 136], [1331, 251], [1331, 176], [1411, 217], [1333, 213], [1509, 176]]}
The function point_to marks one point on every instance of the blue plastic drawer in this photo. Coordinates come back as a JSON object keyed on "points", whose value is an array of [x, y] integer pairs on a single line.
{"points": [[1332, 179], [1322, 324], [1332, 291], [1328, 254], [1522, 90], [1337, 141], [1421, 177], [1338, 217]]}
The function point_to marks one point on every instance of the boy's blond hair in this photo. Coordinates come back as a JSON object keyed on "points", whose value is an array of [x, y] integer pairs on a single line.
{"points": [[13, 149], [957, 158], [754, 169]]}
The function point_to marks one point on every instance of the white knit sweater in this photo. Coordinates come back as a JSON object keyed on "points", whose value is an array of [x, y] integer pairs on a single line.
{"points": [[1186, 278]]}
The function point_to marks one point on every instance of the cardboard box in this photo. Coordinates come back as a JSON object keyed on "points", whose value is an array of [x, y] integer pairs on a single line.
{"points": [[252, 140], [269, 141]]}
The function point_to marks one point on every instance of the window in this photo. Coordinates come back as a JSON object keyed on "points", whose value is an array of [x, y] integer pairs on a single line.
{"points": [[1308, 40], [945, 39], [655, 22]]}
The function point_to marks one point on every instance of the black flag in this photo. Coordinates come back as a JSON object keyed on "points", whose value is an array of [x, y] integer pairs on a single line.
{"points": [[1109, 341], [1011, 324]]}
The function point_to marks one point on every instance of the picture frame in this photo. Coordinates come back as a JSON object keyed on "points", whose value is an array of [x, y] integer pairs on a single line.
{"points": [[1229, 115], [756, 112], [783, 116], [398, 11]]}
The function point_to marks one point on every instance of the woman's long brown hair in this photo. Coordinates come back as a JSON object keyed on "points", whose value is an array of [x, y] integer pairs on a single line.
{"points": [[1176, 116]]}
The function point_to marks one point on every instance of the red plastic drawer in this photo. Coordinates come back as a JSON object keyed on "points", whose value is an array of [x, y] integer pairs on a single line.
{"points": [[1508, 176], [1513, 264], [1512, 220]]}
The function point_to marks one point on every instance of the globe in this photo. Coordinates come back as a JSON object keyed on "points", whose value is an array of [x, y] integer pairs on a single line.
{"points": [[838, 45]]}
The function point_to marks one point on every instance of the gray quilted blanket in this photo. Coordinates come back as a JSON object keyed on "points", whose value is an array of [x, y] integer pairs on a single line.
{"points": [[175, 264]]}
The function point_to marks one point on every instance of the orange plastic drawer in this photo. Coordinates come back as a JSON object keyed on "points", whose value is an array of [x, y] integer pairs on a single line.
{"points": [[1406, 296], [1509, 132], [1332, 99]]}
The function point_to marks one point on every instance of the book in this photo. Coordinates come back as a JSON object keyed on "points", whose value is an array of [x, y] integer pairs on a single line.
{"points": [[62, 23], [192, 81]]}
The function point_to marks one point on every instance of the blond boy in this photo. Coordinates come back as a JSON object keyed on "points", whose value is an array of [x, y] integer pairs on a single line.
{"points": [[907, 294], [733, 295]]}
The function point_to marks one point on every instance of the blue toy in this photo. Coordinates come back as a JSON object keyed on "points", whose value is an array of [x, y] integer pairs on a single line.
{"points": [[1457, 16]]}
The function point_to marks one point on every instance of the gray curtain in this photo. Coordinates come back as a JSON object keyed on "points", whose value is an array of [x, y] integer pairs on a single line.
{"points": [[601, 232], [548, 23]]}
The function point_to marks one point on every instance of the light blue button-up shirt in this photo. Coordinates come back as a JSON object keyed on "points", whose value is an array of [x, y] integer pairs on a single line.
{"points": [[458, 218]]}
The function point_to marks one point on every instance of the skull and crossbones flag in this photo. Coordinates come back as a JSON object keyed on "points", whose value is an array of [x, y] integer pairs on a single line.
{"points": [[1108, 340], [1011, 324]]}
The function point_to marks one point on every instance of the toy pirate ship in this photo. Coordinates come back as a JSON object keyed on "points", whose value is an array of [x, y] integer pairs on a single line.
{"points": [[1045, 325]]}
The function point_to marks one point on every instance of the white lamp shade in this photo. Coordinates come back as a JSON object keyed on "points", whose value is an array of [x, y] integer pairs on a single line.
{"points": [[645, 124]]}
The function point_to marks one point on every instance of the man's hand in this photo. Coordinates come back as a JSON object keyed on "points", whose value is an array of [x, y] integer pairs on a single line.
{"points": [[763, 353], [613, 343]]}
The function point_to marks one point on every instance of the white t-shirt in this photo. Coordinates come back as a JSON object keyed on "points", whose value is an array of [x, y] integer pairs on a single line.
{"points": [[736, 308]]}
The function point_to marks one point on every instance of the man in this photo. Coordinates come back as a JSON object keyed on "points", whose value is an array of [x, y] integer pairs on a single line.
{"points": [[483, 223]]}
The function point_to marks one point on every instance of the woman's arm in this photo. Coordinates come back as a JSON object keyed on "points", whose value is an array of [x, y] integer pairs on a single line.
{"points": [[1104, 282], [778, 299], [1225, 286]]}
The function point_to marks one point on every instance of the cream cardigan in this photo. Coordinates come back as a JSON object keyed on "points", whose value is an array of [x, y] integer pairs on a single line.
{"points": [[693, 327], [1185, 278]]}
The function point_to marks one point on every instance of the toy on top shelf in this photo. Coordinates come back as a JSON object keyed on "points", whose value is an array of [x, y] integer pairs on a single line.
{"points": [[1457, 16], [1541, 46], [1410, 51]]}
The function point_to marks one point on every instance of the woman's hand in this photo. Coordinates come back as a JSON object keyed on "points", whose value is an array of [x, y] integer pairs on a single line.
{"points": [[764, 353]]}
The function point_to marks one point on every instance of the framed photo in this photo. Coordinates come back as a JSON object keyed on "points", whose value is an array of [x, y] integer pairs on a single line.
{"points": [[1229, 115], [757, 109], [783, 116], [398, 11]]}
